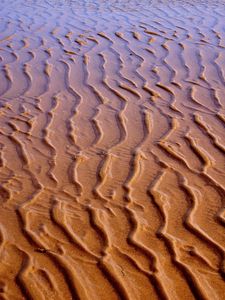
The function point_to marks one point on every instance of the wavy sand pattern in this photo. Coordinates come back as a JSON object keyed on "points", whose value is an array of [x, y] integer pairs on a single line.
{"points": [[112, 178]]}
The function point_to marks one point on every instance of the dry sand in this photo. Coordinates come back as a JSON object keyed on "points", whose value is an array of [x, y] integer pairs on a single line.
{"points": [[112, 165]]}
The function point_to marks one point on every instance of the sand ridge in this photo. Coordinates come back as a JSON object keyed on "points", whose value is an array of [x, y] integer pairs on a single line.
{"points": [[112, 178]]}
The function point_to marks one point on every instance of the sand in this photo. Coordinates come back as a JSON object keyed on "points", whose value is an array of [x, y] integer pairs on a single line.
{"points": [[112, 142]]}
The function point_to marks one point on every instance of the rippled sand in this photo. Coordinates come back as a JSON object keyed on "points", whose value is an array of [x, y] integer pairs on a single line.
{"points": [[112, 166]]}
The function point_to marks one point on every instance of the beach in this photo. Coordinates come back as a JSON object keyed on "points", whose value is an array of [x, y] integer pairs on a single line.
{"points": [[112, 143]]}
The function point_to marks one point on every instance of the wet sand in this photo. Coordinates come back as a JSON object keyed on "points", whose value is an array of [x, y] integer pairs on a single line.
{"points": [[112, 166]]}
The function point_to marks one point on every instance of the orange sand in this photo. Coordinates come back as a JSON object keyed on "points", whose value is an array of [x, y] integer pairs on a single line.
{"points": [[112, 166]]}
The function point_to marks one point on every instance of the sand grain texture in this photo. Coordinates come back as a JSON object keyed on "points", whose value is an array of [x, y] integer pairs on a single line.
{"points": [[112, 178]]}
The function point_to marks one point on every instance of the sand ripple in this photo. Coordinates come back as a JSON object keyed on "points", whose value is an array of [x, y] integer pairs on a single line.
{"points": [[112, 178]]}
